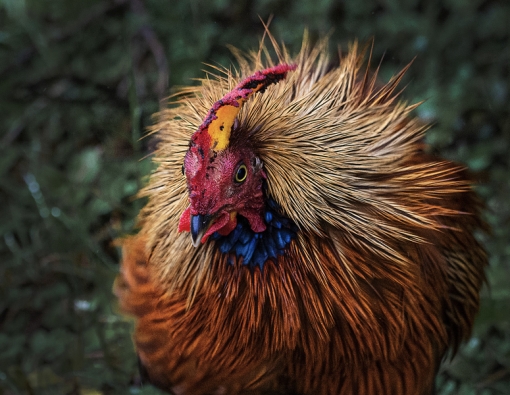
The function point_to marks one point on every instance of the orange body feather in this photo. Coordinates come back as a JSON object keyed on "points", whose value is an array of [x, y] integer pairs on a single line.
{"points": [[383, 274]]}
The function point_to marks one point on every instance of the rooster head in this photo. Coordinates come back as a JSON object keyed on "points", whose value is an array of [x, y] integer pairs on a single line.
{"points": [[225, 178]]}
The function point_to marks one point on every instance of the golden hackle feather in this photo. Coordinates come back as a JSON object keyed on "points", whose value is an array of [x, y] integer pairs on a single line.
{"points": [[384, 273]]}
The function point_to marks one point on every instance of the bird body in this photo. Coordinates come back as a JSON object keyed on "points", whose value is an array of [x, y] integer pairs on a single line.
{"points": [[331, 254]]}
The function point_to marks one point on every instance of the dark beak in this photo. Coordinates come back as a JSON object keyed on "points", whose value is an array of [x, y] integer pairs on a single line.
{"points": [[199, 225]]}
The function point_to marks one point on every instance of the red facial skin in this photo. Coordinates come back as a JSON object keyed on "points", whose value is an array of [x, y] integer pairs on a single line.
{"points": [[213, 190]]}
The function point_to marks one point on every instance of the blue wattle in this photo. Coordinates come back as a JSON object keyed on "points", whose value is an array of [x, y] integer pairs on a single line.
{"points": [[257, 248]]}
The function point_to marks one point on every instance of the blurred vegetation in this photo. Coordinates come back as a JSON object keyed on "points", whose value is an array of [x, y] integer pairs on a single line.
{"points": [[78, 84]]}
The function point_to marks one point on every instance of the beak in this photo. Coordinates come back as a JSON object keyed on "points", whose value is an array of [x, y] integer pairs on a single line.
{"points": [[198, 226]]}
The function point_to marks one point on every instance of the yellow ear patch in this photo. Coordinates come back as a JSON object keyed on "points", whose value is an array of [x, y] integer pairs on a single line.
{"points": [[221, 127]]}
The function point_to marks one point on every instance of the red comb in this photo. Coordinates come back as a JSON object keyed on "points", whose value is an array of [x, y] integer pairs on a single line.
{"points": [[214, 133]]}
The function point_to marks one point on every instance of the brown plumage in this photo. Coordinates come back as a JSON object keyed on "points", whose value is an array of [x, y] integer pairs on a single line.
{"points": [[381, 276]]}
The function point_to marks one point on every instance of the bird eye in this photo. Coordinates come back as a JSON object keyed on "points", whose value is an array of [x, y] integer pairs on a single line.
{"points": [[241, 174]]}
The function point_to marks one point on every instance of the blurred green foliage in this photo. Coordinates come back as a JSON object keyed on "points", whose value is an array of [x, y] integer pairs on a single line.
{"points": [[78, 84]]}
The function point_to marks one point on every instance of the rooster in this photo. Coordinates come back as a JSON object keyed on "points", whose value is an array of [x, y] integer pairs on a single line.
{"points": [[329, 253]]}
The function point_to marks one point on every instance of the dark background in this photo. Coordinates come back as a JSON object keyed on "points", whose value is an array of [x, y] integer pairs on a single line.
{"points": [[79, 81]]}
